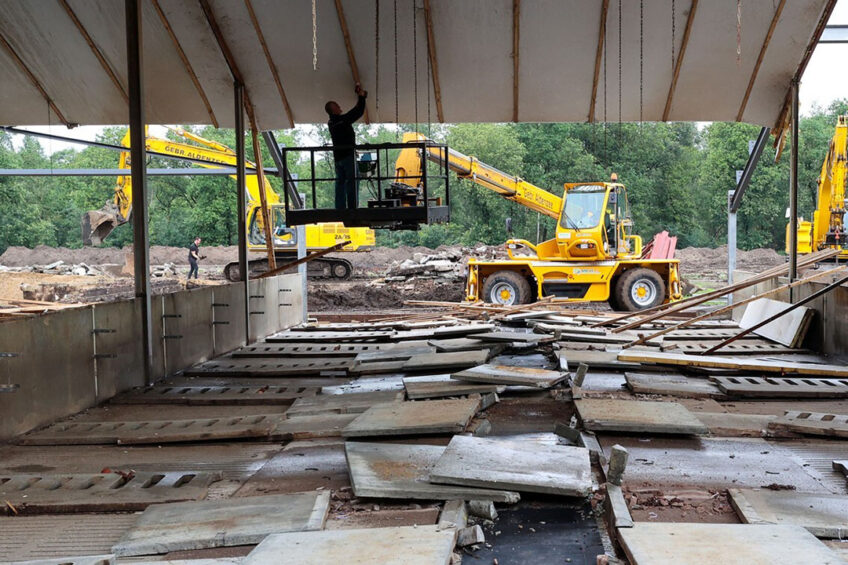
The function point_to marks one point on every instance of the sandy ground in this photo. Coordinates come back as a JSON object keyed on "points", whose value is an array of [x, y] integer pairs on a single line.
{"points": [[704, 267]]}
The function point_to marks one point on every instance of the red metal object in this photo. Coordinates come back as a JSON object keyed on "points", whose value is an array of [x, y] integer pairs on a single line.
{"points": [[662, 246]]}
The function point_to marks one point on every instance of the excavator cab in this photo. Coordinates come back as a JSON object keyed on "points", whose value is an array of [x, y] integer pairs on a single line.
{"points": [[284, 236]]}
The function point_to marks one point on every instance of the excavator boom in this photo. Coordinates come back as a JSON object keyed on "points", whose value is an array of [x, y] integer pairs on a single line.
{"points": [[408, 168]]}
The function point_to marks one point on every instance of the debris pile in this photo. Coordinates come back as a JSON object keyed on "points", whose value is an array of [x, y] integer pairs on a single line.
{"points": [[446, 264], [56, 268]]}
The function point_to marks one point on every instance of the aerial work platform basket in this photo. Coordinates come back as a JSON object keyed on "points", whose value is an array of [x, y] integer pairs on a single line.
{"points": [[397, 200]]}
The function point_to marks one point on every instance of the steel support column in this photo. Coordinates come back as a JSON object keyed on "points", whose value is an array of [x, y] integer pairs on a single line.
{"points": [[242, 210], [793, 192], [731, 241], [138, 166], [301, 269]]}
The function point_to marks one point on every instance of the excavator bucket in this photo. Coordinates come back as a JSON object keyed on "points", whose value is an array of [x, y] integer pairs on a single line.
{"points": [[97, 224]]}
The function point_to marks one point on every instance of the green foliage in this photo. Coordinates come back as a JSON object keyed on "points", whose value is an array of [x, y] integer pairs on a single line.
{"points": [[676, 174]]}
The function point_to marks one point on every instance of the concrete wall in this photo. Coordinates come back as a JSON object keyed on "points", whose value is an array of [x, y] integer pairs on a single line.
{"points": [[828, 332], [73, 359]]}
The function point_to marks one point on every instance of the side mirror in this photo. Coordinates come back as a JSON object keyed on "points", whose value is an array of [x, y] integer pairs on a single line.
{"points": [[509, 226]]}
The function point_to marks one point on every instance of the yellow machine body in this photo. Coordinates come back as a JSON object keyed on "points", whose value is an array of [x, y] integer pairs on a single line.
{"points": [[827, 230], [588, 259]]}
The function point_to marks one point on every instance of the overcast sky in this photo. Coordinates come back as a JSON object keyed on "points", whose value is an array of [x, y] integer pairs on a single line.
{"points": [[824, 81]]}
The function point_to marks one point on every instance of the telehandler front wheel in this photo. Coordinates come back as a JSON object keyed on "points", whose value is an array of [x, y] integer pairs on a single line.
{"points": [[507, 288], [638, 289]]}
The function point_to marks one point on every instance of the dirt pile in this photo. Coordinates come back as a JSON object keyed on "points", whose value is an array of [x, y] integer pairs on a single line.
{"points": [[159, 255], [712, 263], [325, 297]]}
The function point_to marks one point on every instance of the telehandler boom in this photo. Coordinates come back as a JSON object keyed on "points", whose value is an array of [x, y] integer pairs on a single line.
{"points": [[594, 256]]}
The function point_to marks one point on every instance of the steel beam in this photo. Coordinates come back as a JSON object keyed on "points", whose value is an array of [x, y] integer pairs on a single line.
{"points": [[225, 171], [750, 167], [141, 257], [834, 34], [241, 193], [793, 192], [277, 155]]}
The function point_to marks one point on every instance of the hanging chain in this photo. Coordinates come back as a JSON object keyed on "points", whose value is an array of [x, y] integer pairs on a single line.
{"points": [[673, 33], [606, 154], [314, 35], [641, 61], [377, 57], [397, 119], [429, 85], [738, 32], [619, 70], [415, 61]]}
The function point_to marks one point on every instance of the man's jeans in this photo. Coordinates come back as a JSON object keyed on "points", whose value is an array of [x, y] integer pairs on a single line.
{"points": [[347, 186]]}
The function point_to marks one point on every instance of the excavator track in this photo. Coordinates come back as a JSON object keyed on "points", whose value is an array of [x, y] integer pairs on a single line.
{"points": [[323, 268]]}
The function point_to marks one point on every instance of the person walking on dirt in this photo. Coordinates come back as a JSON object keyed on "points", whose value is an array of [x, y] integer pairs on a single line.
{"points": [[342, 134], [194, 257]]}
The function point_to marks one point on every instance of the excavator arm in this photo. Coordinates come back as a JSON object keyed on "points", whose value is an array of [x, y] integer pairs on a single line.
{"points": [[409, 170], [98, 224]]}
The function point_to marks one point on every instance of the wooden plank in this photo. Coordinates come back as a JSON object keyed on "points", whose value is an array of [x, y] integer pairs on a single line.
{"points": [[515, 465], [606, 414], [747, 365], [215, 395], [812, 423], [101, 492], [672, 385], [390, 470], [788, 330], [782, 387], [775, 18], [509, 375], [414, 418], [155, 431]]}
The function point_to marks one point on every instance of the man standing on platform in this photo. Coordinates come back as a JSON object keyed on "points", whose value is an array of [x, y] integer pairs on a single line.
{"points": [[341, 132]]}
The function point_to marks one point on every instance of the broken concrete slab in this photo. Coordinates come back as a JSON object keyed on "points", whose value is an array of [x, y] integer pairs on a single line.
{"points": [[390, 470], [672, 385], [657, 543], [470, 535], [570, 359], [515, 337], [788, 329], [736, 425], [782, 387], [606, 414], [454, 515], [510, 375], [823, 515], [354, 403], [404, 545], [618, 514], [367, 384], [163, 528], [516, 465], [414, 418], [440, 386], [446, 361], [101, 492], [812, 423], [482, 509], [458, 344], [81, 560]]}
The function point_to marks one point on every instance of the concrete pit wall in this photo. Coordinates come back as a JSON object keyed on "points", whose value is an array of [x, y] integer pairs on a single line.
{"points": [[73, 359], [828, 332]]}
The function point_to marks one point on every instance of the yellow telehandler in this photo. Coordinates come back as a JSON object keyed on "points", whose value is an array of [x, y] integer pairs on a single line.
{"points": [[594, 256], [98, 224]]}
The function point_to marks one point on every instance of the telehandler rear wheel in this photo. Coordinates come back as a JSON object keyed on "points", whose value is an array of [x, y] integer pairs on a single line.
{"points": [[507, 288], [638, 289]]}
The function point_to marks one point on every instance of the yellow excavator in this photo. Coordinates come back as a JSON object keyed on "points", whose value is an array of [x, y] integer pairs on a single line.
{"points": [[98, 224], [594, 257], [827, 228]]}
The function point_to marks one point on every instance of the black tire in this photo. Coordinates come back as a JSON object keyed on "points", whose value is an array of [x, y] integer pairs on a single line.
{"points": [[630, 286], [341, 270], [612, 300], [507, 288]]}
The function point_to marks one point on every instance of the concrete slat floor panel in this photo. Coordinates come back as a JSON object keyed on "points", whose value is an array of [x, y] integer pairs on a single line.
{"points": [[515, 465], [813, 423], [511, 375], [72, 560], [823, 515], [729, 544], [672, 385], [390, 470], [444, 362], [163, 431], [381, 383], [163, 528], [414, 418], [247, 367], [405, 545], [308, 349], [782, 387], [308, 427], [295, 336], [353, 403], [602, 414], [301, 466], [711, 463], [741, 347], [211, 395], [101, 492], [40, 537], [440, 386]]}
